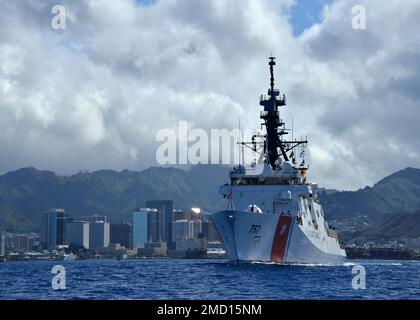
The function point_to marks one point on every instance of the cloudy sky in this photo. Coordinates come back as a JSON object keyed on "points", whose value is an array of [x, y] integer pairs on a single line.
{"points": [[94, 95]]}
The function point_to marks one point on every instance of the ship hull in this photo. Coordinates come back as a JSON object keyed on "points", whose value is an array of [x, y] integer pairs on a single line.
{"points": [[249, 236]]}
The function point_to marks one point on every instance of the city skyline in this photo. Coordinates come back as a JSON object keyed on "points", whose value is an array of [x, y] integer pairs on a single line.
{"points": [[59, 231]]}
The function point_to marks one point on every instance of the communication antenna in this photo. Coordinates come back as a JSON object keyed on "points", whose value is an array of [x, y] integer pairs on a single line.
{"points": [[242, 140], [292, 127], [239, 139]]}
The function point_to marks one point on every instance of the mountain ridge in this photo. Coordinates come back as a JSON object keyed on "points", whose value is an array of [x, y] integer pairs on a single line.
{"points": [[394, 225], [27, 192], [398, 192]]}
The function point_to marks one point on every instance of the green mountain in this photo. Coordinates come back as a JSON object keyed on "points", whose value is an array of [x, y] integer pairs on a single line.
{"points": [[26, 193], [397, 193], [394, 225]]}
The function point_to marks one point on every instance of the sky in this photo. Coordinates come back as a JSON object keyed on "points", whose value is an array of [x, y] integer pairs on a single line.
{"points": [[93, 95]]}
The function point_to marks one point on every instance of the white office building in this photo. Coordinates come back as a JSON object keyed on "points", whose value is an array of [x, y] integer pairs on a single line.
{"points": [[183, 229]]}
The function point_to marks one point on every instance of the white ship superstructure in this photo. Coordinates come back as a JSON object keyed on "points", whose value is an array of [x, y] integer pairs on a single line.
{"points": [[273, 213]]}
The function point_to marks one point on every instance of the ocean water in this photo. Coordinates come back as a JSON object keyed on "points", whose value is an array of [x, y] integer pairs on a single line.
{"points": [[207, 279]]}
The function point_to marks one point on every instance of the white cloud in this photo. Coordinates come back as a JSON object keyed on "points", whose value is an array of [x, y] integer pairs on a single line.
{"points": [[94, 95], [371, 106]]}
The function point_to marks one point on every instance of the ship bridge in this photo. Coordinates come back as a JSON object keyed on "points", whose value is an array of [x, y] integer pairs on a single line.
{"points": [[263, 174]]}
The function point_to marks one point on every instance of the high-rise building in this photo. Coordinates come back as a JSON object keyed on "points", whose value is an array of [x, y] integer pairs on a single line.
{"points": [[180, 215], [54, 228], [205, 226], [79, 234], [99, 235], [191, 214], [183, 229], [122, 233], [2, 244], [213, 235], [208, 231], [155, 226], [144, 220], [21, 243], [161, 223], [197, 229]]}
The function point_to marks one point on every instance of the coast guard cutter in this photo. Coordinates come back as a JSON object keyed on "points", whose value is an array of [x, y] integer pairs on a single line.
{"points": [[274, 214]]}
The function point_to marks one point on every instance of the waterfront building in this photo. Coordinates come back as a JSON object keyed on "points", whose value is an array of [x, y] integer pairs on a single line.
{"points": [[179, 214], [197, 227], [54, 229], [17, 242], [2, 244], [122, 233], [205, 230], [99, 235], [21, 243], [144, 220], [208, 231], [189, 249], [79, 234], [155, 226], [160, 224], [191, 244], [153, 249], [183, 229]]}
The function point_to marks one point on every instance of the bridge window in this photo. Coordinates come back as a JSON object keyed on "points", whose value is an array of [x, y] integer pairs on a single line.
{"points": [[263, 181]]}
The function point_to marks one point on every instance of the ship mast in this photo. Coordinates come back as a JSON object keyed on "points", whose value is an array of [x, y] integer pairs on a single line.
{"points": [[275, 147]]}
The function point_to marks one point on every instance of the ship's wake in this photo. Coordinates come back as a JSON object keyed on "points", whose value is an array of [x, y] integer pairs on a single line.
{"points": [[343, 264]]}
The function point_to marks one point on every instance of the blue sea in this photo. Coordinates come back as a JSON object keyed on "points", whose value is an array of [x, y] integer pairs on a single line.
{"points": [[207, 279]]}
